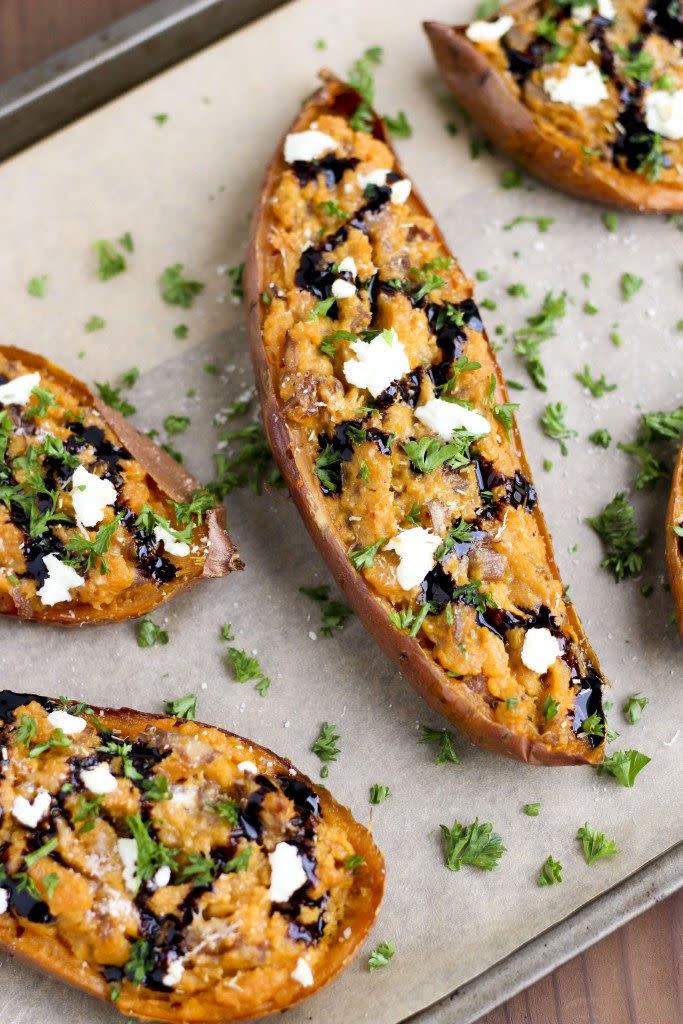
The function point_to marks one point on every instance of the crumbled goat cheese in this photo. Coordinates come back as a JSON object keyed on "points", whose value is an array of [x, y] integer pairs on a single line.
{"points": [[174, 973], [377, 363], [70, 725], [171, 545], [249, 767], [581, 87], [540, 649], [18, 390], [415, 548], [342, 289], [30, 813], [128, 852], [99, 779], [348, 266], [606, 9], [303, 973], [664, 113], [59, 582], [4, 900], [162, 876], [489, 31], [286, 872], [307, 146], [444, 417], [400, 191], [90, 495]]}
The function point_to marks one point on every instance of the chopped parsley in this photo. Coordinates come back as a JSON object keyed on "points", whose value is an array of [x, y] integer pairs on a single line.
{"points": [[472, 594], [475, 844], [443, 739], [177, 290], [181, 331], [160, 118], [634, 707], [540, 327], [532, 810], [378, 793], [594, 844], [110, 261], [95, 323], [245, 667], [325, 747], [593, 725], [551, 872], [399, 126], [656, 429], [542, 223], [182, 707], [624, 547], [624, 766], [601, 438], [428, 453], [147, 633], [37, 287], [111, 394], [629, 285], [363, 558], [322, 308], [227, 810], [176, 424], [354, 861], [597, 386], [126, 241], [512, 176], [554, 426], [86, 552], [381, 955], [333, 614], [247, 462], [151, 854], [610, 220], [43, 851], [518, 290], [550, 708], [326, 468], [87, 813], [236, 275]]}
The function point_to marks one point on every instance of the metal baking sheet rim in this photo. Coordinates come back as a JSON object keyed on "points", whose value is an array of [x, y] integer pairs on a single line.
{"points": [[108, 65], [534, 960]]}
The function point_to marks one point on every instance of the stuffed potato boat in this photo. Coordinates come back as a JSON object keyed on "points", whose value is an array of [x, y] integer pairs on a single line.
{"points": [[588, 97], [674, 537], [97, 523], [175, 869], [388, 416]]}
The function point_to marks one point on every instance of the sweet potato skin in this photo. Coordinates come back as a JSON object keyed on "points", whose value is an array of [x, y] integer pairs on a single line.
{"points": [[37, 947], [174, 481], [412, 661], [482, 92], [674, 557]]}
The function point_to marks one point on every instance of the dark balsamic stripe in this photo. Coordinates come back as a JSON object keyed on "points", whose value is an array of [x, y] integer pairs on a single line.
{"points": [[331, 167], [152, 562]]}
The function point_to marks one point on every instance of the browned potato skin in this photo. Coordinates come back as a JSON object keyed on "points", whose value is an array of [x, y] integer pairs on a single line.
{"points": [[673, 547], [412, 661], [35, 943], [482, 92], [169, 476]]}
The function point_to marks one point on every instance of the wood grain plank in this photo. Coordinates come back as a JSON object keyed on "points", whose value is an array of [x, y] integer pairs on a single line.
{"points": [[631, 977]]}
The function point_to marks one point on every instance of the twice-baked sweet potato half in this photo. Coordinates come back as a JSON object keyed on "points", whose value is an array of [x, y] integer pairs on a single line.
{"points": [[588, 97], [674, 537], [175, 869], [388, 416], [97, 523]]}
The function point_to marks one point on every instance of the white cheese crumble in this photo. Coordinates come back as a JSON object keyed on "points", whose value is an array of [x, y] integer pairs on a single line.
{"points": [[377, 363], [444, 417], [99, 779], [415, 548], [162, 876], [489, 31], [29, 814], [4, 900], [128, 852], [540, 649], [581, 87], [400, 191], [286, 872], [249, 767], [172, 546], [70, 725], [664, 113], [59, 582], [18, 390], [606, 9], [90, 495], [306, 146], [342, 289], [348, 266], [582, 13], [303, 973], [175, 971]]}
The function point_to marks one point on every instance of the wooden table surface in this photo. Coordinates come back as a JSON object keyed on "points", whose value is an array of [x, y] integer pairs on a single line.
{"points": [[635, 976]]}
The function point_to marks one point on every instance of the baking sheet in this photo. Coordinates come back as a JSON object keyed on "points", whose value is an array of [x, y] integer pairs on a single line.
{"points": [[184, 190]]}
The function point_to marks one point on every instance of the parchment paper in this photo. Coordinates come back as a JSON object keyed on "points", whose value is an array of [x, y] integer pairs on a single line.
{"points": [[184, 190]]}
